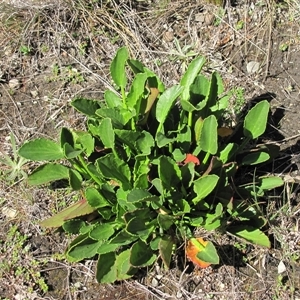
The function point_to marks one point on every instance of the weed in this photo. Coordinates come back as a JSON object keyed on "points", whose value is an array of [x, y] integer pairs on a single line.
{"points": [[15, 249], [25, 50], [150, 173], [14, 166]]}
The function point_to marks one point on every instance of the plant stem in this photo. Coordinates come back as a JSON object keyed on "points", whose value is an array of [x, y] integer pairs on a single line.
{"points": [[84, 165], [190, 119], [207, 155]]}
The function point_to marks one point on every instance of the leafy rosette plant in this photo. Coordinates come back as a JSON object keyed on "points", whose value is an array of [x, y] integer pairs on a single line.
{"points": [[153, 165]]}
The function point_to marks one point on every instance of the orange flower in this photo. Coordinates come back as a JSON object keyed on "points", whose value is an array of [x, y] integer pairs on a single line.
{"points": [[192, 250]]}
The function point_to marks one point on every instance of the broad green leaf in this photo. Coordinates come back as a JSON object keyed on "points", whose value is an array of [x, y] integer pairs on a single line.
{"points": [[86, 106], [256, 120], [118, 115], [145, 143], [128, 137], [269, 183], [73, 226], [136, 66], [107, 133], [70, 152], [77, 209], [86, 249], [139, 195], [189, 77], [138, 227], [165, 221], [123, 266], [95, 199], [255, 158], [75, 179], [107, 248], [86, 141], [169, 172], [163, 140], [117, 68], [209, 135], [200, 88], [157, 183], [106, 271], [102, 232], [187, 106], [41, 149], [251, 234], [228, 152], [123, 238], [137, 90], [113, 168], [47, 173], [209, 254], [212, 97], [166, 102], [165, 249], [204, 186], [178, 155], [141, 255], [112, 99], [198, 129], [66, 136]]}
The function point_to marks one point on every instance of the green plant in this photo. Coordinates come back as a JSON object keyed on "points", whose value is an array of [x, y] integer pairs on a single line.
{"points": [[25, 50], [66, 74], [14, 166], [16, 262], [183, 54], [152, 168]]}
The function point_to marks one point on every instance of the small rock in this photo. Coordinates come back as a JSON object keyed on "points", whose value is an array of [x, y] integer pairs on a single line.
{"points": [[252, 67], [14, 84], [34, 94], [281, 267]]}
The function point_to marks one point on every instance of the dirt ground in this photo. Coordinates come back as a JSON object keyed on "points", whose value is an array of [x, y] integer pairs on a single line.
{"points": [[54, 51]]}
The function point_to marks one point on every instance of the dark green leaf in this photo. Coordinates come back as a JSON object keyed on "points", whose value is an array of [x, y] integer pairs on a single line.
{"points": [[169, 172], [66, 136], [255, 158], [107, 133], [141, 255], [95, 199], [209, 254], [86, 106], [204, 186], [48, 173], [189, 77], [166, 102], [251, 234], [117, 67], [165, 250], [209, 135], [70, 152], [112, 99], [102, 232], [113, 168], [75, 179], [41, 149], [256, 120], [106, 271]]}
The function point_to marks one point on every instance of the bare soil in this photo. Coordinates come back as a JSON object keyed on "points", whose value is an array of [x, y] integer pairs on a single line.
{"points": [[51, 53]]}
